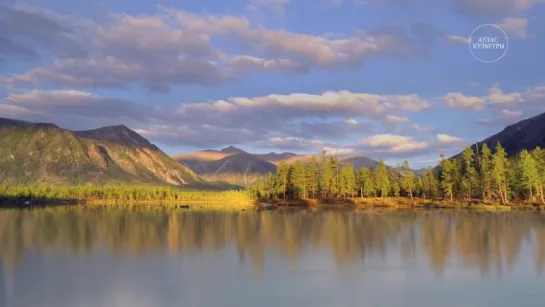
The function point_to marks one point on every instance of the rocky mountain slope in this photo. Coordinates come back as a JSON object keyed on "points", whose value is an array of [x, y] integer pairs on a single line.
{"points": [[527, 134], [44, 153], [231, 165]]}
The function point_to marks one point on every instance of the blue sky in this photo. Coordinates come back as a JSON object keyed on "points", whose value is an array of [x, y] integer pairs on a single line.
{"points": [[390, 79]]}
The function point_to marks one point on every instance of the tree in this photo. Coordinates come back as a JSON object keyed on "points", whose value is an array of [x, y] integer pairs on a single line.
{"points": [[348, 180], [298, 180], [447, 177], [539, 156], [407, 181], [529, 172], [313, 172], [367, 179], [327, 176], [283, 175], [485, 171], [429, 183], [499, 172], [469, 174], [382, 181]]}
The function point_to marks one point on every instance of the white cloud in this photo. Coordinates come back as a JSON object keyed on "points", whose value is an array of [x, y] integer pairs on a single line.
{"points": [[497, 96], [457, 40], [175, 47], [463, 102], [419, 128], [393, 143], [397, 119], [447, 139]]}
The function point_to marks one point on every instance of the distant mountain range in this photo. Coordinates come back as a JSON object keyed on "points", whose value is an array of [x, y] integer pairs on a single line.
{"points": [[231, 165], [40, 152], [235, 166], [33, 153]]}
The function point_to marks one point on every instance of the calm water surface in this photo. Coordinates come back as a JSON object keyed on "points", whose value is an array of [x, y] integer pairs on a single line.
{"points": [[115, 257]]}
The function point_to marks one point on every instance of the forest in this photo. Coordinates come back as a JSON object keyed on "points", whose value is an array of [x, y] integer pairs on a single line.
{"points": [[483, 174]]}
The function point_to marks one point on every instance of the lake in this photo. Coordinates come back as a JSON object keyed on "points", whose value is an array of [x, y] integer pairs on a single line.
{"points": [[131, 257]]}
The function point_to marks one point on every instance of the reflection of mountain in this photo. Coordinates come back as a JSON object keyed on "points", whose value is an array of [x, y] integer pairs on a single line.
{"points": [[486, 242]]}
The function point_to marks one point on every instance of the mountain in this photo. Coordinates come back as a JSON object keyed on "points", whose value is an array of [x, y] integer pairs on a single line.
{"points": [[231, 165], [44, 153], [232, 150], [235, 166], [359, 162], [275, 158], [527, 134]]}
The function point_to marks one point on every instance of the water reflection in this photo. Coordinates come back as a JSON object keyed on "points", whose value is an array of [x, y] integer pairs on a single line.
{"points": [[489, 242]]}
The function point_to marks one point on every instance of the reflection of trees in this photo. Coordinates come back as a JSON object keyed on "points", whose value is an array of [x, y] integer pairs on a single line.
{"points": [[486, 241]]}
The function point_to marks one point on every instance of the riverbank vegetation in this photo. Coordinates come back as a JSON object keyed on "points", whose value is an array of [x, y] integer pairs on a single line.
{"points": [[479, 175], [121, 193]]}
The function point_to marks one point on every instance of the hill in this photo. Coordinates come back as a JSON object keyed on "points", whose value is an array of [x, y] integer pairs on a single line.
{"points": [[33, 153], [527, 134], [231, 165]]}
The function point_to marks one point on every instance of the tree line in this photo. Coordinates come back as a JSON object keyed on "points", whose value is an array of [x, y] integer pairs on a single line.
{"points": [[119, 193], [478, 174]]}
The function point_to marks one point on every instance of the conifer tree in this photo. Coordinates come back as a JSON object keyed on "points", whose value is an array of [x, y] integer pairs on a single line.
{"points": [[539, 156], [283, 175], [485, 171], [327, 176], [447, 177], [382, 180], [348, 180], [469, 174], [313, 171], [499, 173], [529, 172], [408, 179]]}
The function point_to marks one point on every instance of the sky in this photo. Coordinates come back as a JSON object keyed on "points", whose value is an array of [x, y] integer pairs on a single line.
{"points": [[388, 79]]}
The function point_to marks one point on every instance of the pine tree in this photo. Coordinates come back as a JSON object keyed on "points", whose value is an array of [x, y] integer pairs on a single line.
{"points": [[529, 172], [367, 177], [447, 177], [469, 174], [499, 172], [348, 180], [429, 183], [382, 181], [327, 176], [298, 180], [485, 171], [313, 171], [283, 175], [539, 156], [408, 177]]}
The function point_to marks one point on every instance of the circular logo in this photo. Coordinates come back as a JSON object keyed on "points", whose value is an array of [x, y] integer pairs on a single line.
{"points": [[488, 43]]}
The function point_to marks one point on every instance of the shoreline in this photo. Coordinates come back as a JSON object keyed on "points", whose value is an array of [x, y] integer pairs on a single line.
{"points": [[403, 203]]}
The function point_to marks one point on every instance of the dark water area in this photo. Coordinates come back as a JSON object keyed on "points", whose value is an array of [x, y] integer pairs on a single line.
{"points": [[77, 257]]}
